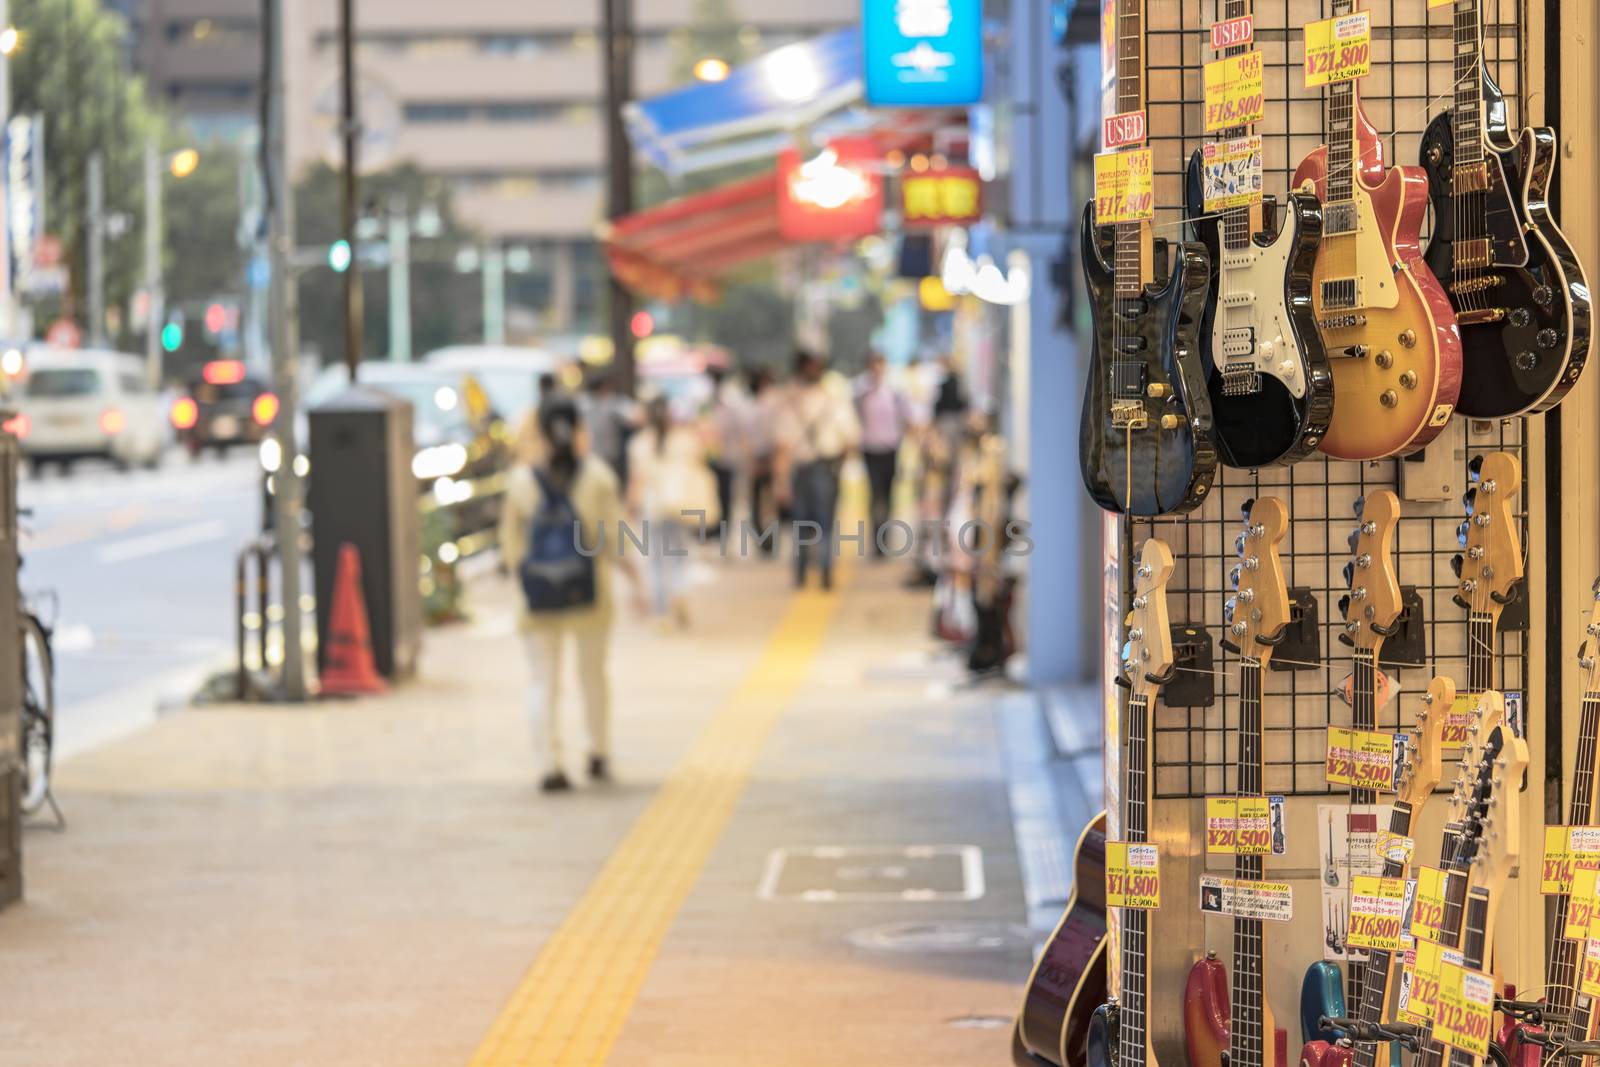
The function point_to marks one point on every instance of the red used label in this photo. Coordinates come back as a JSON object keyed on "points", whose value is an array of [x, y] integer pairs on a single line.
{"points": [[1124, 129], [1230, 33]]}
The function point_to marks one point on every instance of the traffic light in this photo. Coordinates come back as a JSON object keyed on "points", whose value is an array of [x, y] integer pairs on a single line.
{"points": [[339, 256], [172, 334]]}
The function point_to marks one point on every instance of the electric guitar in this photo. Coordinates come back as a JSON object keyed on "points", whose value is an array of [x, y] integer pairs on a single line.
{"points": [[1519, 291], [1266, 370], [1490, 563], [1386, 322], [1146, 443], [1119, 1033], [1228, 1020]]}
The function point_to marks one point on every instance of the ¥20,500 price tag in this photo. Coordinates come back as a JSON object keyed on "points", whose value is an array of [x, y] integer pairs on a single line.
{"points": [[1233, 88], [1238, 826], [1465, 1009], [1375, 908], [1458, 720], [1580, 924], [1589, 980], [1566, 849], [1133, 876], [1338, 49], [1361, 759], [1427, 913], [1124, 187]]}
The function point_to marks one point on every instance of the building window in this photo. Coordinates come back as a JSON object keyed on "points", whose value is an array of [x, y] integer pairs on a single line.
{"points": [[210, 32]]}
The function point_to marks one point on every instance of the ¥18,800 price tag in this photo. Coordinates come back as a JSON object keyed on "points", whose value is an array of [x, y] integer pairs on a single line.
{"points": [[1427, 913], [1124, 187], [1361, 759], [1375, 908], [1567, 848], [1465, 1009], [1133, 876], [1338, 49], [1233, 88]]}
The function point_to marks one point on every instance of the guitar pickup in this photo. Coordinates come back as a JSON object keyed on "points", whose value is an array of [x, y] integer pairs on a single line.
{"points": [[1339, 293], [1240, 342], [1235, 298], [1473, 253], [1129, 415], [1341, 217], [1240, 379], [1127, 379], [1470, 178]]}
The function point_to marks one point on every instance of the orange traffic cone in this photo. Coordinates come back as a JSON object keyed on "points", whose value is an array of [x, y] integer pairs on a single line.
{"points": [[350, 669]]}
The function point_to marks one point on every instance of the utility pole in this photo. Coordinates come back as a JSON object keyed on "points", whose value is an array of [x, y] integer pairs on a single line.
{"points": [[284, 313], [494, 294], [618, 52], [399, 280], [10, 327], [350, 128], [96, 180], [153, 285]]}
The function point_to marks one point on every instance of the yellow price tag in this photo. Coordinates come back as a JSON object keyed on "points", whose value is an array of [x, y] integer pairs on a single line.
{"points": [[1567, 848], [1465, 1009], [1124, 187], [1376, 905], [1338, 49], [1439, 3], [1133, 876], [1581, 905], [1458, 720], [1360, 759], [1589, 980], [1419, 982], [1238, 826], [1427, 911], [1234, 94]]}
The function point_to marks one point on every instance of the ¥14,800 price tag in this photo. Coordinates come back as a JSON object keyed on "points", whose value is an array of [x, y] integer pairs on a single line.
{"points": [[1362, 759], [1465, 1009], [1567, 848], [1233, 88], [1375, 908], [1427, 913], [1338, 49], [1124, 187], [1133, 876]]}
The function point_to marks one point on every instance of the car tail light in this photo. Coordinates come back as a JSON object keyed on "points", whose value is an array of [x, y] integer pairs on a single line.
{"points": [[17, 425], [185, 413], [223, 372], [113, 421], [265, 409]]}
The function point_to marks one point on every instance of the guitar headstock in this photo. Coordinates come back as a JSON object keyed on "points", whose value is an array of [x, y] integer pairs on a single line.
{"points": [[1424, 745], [1495, 817], [1372, 607], [1147, 657], [1490, 563], [1258, 610], [1489, 715], [1589, 651]]}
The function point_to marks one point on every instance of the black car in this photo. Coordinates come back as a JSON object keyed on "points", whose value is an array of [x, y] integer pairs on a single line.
{"points": [[225, 406]]}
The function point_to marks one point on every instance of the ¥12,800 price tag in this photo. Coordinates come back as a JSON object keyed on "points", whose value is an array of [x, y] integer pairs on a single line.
{"points": [[1375, 908], [1133, 876], [1419, 980], [1233, 88], [1567, 848], [1338, 49], [1465, 1009], [1238, 826], [1124, 187], [1427, 913], [1361, 759]]}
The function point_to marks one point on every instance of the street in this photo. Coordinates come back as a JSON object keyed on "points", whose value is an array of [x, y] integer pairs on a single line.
{"points": [[140, 565]]}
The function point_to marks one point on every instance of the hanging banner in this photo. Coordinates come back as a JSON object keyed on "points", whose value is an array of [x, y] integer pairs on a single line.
{"points": [[24, 194], [835, 195], [949, 197]]}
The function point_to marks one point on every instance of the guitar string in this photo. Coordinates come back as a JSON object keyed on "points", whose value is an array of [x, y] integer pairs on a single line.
{"points": [[1561, 976]]}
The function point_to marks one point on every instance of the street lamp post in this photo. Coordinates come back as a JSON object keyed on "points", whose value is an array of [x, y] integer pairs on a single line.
{"points": [[399, 281], [154, 286], [618, 29]]}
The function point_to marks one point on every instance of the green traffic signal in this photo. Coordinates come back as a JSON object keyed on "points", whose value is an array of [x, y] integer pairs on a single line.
{"points": [[339, 256], [172, 336]]}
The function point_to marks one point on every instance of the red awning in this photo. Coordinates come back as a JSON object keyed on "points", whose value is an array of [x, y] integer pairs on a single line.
{"points": [[684, 246]]}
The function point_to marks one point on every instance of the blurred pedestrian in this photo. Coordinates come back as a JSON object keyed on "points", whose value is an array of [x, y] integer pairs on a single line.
{"points": [[763, 446], [727, 437], [671, 488], [560, 506], [885, 415], [816, 428], [610, 417]]}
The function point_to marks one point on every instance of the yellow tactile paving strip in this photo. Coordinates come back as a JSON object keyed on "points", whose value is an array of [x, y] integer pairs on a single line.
{"points": [[571, 1005]]}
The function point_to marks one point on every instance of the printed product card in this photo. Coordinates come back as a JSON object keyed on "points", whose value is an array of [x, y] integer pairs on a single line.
{"points": [[1376, 905], [1589, 980], [1272, 901], [1338, 49], [1124, 187], [1133, 876], [1458, 720], [1233, 91], [1230, 172], [1231, 33], [1567, 848], [1465, 1009]]}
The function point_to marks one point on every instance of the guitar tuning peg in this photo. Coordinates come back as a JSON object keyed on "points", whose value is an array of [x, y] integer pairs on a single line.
{"points": [[1233, 577], [1353, 540], [1238, 545], [1349, 573], [1455, 564], [1475, 467], [1360, 503], [1461, 533], [1247, 507], [1595, 588], [1344, 604], [1469, 499], [1228, 608]]}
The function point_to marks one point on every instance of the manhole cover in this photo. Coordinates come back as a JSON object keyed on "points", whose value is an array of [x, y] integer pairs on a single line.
{"points": [[956, 936], [908, 873]]}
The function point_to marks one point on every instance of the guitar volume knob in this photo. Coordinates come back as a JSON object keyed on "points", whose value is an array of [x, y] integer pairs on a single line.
{"points": [[1520, 317], [1547, 337], [1384, 359], [1389, 398], [1408, 338], [1526, 360], [1543, 295]]}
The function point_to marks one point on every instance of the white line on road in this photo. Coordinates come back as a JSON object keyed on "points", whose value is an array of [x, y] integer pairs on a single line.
{"points": [[163, 541]]}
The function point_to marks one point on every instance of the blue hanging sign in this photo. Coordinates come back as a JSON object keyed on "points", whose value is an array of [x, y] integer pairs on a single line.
{"points": [[923, 53]]}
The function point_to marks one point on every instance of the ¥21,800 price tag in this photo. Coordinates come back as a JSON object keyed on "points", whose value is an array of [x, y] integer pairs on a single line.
{"points": [[1427, 913], [1375, 908], [1233, 88], [1465, 1009], [1338, 49], [1238, 826], [1133, 876], [1124, 187], [1567, 848], [1361, 759]]}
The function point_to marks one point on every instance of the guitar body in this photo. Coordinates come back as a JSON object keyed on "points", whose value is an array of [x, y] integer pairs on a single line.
{"points": [[1156, 469], [1321, 994], [1525, 322], [1403, 317], [1069, 980], [1206, 1022], [1267, 374], [1103, 1036], [1324, 1054]]}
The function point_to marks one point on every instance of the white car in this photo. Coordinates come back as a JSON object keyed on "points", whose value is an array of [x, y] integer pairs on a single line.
{"points": [[75, 404]]}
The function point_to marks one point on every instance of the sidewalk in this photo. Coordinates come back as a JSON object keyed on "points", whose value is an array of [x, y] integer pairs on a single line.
{"points": [[381, 883]]}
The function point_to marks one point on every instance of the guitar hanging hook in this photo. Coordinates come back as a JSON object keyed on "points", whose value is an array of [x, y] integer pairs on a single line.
{"points": [[1385, 631], [1163, 678], [1275, 639], [1505, 598]]}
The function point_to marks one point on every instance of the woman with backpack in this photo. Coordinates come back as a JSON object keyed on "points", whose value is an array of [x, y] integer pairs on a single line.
{"points": [[559, 531]]}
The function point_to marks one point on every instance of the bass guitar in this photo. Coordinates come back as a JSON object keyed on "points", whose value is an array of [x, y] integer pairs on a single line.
{"points": [[1519, 291], [1226, 1017], [1119, 1033], [1386, 322], [1146, 443], [1266, 370]]}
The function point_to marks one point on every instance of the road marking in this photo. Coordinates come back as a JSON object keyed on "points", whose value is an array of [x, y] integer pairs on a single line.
{"points": [[162, 541], [571, 1005]]}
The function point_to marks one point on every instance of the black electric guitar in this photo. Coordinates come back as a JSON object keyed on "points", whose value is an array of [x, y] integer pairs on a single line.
{"points": [[1518, 289], [1266, 370], [1146, 445]]}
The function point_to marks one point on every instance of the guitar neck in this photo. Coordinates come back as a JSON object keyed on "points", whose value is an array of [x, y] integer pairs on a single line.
{"points": [[1466, 117], [1132, 257], [1339, 116], [1238, 223], [1473, 950], [1375, 979], [1247, 1043], [1456, 864], [1561, 972], [1480, 651], [1132, 1027], [1364, 707]]}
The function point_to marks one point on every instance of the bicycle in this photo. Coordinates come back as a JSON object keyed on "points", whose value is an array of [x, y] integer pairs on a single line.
{"points": [[38, 711]]}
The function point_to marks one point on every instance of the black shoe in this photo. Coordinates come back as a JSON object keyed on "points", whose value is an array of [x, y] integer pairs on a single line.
{"points": [[599, 769], [555, 782], [827, 581]]}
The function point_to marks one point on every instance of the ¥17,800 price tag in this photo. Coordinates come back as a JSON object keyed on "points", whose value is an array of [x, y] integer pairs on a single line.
{"points": [[1361, 759], [1133, 876], [1427, 913], [1233, 88], [1375, 908], [1124, 187], [1465, 1009], [1238, 826], [1338, 49], [1567, 848]]}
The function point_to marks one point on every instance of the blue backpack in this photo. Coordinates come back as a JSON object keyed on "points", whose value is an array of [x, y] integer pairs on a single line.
{"points": [[555, 575]]}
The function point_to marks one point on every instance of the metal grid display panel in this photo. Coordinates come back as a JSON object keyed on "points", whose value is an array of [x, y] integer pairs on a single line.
{"points": [[1411, 80]]}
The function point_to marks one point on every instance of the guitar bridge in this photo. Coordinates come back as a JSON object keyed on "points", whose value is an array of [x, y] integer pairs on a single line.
{"points": [[1129, 415], [1240, 379], [1338, 293], [1472, 254], [1476, 285], [1469, 177], [1240, 342]]}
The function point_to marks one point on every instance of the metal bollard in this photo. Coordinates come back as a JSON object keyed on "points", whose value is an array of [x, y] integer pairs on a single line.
{"points": [[261, 550]]}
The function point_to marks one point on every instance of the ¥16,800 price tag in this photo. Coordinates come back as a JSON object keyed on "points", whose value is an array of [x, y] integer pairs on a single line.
{"points": [[1133, 876], [1567, 848], [1427, 913], [1233, 88], [1361, 759], [1124, 187], [1338, 49], [1465, 1009], [1375, 908]]}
